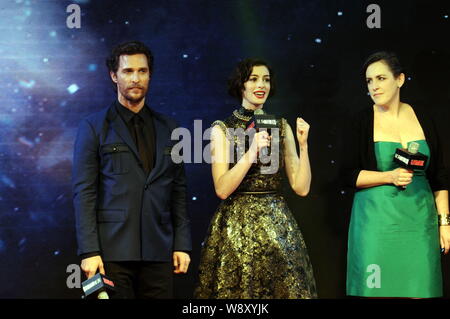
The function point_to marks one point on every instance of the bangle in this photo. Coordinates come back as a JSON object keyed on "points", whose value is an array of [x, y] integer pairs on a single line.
{"points": [[444, 219]]}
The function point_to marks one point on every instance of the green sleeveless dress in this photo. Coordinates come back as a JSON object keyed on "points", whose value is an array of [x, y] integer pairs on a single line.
{"points": [[393, 244]]}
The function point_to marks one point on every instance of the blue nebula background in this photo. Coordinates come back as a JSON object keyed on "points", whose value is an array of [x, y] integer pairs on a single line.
{"points": [[52, 76]]}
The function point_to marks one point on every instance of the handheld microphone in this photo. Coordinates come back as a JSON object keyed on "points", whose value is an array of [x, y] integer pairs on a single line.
{"points": [[98, 287], [261, 120], [410, 158]]}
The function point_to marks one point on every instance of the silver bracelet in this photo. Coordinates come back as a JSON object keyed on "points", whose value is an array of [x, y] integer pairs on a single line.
{"points": [[444, 219]]}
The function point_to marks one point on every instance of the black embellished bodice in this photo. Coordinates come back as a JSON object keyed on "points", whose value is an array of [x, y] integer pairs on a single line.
{"points": [[261, 176]]}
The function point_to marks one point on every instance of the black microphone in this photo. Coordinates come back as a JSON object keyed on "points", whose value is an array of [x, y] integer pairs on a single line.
{"points": [[410, 158], [98, 287], [261, 120]]}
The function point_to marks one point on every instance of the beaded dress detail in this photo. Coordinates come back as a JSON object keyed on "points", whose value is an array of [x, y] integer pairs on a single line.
{"points": [[254, 248]]}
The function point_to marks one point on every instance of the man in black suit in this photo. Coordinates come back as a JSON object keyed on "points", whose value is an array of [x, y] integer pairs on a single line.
{"points": [[129, 196]]}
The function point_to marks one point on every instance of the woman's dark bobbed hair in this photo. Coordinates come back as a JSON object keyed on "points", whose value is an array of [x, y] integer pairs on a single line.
{"points": [[242, 73], [390, 58]]}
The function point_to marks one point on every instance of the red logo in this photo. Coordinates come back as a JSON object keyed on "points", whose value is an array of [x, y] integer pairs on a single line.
{"points": [[108, 282], [417, 162]]}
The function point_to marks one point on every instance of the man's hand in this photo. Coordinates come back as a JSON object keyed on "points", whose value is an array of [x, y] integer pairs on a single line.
{"points": [[181, 262], [90, 266]]}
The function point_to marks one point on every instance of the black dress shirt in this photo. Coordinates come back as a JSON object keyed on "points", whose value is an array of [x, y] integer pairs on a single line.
{"points": [[145, 116]]}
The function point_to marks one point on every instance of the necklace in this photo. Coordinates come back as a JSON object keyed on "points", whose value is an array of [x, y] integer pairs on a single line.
{"points": [[241, 117], [243, 114]]}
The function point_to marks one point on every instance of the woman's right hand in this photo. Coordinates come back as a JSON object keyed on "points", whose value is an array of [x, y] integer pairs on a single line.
{"points": [[260, 140], [401, 176]]}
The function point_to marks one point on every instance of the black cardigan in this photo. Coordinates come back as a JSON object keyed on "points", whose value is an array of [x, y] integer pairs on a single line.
{"points": [[359, 152]]}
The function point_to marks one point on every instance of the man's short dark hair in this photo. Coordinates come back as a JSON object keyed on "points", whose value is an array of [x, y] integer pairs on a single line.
{"points": [[390, 58], [128, 48], [242, 73]]}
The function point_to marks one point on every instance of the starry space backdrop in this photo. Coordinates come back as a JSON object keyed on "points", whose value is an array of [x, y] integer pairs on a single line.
{"points": [[52, 76]]}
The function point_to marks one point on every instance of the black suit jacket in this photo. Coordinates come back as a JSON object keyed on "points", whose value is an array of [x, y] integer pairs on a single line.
{"points": [[121, 212]]}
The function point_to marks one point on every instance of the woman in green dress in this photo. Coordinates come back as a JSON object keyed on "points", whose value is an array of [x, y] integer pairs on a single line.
{"points": [[254, 248], [400, 218]]}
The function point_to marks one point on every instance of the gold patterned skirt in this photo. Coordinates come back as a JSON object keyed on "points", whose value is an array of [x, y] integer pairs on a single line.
{"points": [[254, 250]]}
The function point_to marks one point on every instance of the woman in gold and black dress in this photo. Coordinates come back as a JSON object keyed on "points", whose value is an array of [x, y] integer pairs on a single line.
{"points": [[254, 248]]}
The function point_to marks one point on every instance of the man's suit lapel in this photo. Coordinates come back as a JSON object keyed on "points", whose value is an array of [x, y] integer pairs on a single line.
{"points": [[121, 129], [161, 132], [161, 138]]}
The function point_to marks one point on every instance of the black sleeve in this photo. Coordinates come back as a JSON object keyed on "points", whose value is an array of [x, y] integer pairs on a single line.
{"points": [[182, 240], [180, 217], [438, 175], [351, 135], [88, 255], [84, 185]]}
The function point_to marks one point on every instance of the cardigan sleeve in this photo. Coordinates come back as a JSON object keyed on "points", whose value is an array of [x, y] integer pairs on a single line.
{"points": [[352, 148], [438, 174]]}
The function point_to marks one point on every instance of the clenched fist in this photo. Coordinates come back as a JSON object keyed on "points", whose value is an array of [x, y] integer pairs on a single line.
{"points": [[302, 131]]}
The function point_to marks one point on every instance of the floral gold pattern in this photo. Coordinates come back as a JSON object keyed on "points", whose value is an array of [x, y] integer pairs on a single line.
{"points": [[254, 248]]}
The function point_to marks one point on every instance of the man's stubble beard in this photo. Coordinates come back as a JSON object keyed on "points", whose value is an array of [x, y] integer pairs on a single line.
{"points": [[134, 100]]}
